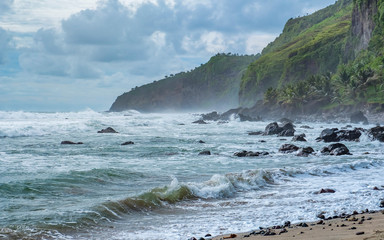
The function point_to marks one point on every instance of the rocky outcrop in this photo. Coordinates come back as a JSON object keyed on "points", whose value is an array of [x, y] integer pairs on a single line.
{"points": [[336, 135]]}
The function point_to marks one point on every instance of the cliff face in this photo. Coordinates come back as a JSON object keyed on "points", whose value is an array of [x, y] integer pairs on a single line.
{"points": [[212, 86], [363, 22]]}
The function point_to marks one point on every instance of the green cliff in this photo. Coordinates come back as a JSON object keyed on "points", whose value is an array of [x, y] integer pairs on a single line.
{"points": [[314, 44], [214, 85]]}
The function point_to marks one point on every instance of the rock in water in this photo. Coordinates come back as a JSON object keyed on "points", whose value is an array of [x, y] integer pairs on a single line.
{"points": [[272, 129], [250, 154], [200, 122], [70, 143], [358, 117], [305, 152], [376, 133], [299, 138], [108, 130], [325, 190], [336, 135], [288, 148], [336, 149], [205, 153], [128, 143]]}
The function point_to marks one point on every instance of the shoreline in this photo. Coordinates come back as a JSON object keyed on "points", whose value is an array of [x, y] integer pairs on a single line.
{"points": [[356, 226]]}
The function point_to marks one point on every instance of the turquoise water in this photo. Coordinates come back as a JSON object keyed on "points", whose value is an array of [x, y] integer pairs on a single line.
{"points": [[160, 188]]}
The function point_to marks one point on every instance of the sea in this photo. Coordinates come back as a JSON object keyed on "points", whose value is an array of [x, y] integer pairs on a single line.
{"points": [[160, 187]]}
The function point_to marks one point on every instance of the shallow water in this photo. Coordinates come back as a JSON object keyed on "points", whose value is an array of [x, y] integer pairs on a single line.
{"points": [[160, 188]]}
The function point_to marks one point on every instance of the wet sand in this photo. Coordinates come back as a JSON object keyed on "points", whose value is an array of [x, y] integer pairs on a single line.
{"points": [[367, 226]]}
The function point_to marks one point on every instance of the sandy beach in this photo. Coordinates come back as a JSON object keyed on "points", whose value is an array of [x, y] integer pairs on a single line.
{"points": [[366, 226]]}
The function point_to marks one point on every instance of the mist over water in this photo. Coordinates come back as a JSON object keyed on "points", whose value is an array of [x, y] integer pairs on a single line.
{"points": [[159, 187]]}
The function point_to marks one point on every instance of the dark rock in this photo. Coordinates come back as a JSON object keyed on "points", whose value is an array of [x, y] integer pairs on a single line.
{"points": [[325, 190], [288, 148], [382, 204], [287, 224], [128, 143], [299, 138], [376, 133], [262, 141], [213, 116], [70, 143], [257, 133], [285, 130], [321, 216], [250, 154], [336, 135], [306, 127], [358, 117], [201, 141], [336, 149], [208, 235], [305, 152], [200, 122], [205, 153], [360, 233], [107, 130], [272, 129]]}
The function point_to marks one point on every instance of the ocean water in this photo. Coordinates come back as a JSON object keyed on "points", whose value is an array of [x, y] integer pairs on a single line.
{"points": [[160, 188]]}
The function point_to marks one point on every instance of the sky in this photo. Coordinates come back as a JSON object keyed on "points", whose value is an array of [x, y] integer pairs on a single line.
{"points": [[70, 55]]}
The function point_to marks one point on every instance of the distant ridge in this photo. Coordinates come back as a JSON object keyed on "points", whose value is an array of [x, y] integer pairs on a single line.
{"points": [[214, 85]]}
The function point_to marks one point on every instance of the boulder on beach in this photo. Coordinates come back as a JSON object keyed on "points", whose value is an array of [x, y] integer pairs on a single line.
{"points": [[336, 135], [358, 117], [336, 149], [70, 143], [108, 130]]}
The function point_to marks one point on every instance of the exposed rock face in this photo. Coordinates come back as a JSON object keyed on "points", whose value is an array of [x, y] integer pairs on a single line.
{"points": [[336, 135], [363, 23], [358, 117]]}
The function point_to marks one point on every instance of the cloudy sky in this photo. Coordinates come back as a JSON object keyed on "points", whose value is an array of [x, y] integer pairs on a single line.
{"points": [[70, 55]]}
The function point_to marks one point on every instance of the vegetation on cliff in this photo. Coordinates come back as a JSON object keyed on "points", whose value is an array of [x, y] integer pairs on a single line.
{"points": [[309, 45], [214, 85], [356, 83]]}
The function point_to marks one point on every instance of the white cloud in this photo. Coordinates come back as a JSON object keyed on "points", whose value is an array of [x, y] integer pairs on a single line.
{"points": [[113, 45], [257, 41]]}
